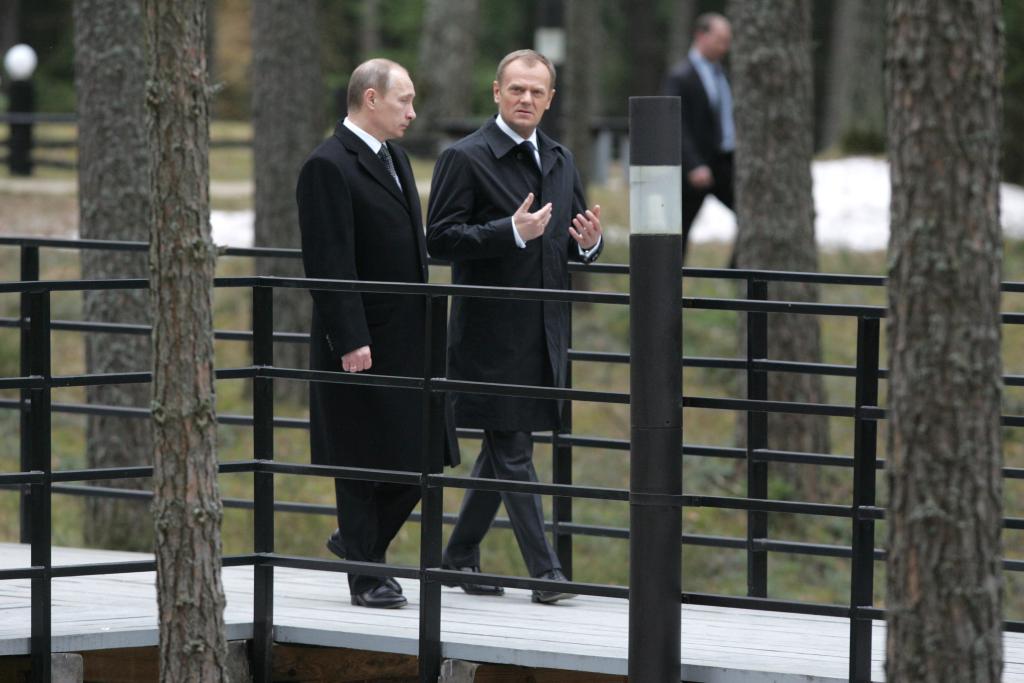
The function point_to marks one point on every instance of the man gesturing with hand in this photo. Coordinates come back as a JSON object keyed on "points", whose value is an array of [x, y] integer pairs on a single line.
{"points": [[507, 209]]}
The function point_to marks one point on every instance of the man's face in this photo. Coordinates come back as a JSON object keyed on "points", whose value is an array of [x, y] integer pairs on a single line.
{"points": [[392, 110], [714, 44], [523, 95]]}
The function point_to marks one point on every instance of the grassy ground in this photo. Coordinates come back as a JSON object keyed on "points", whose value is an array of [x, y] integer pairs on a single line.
{"points": [[596, 327]]}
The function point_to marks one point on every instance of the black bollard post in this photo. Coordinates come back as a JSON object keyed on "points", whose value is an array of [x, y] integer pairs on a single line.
{"points": [[22, 101], [656, 418]]}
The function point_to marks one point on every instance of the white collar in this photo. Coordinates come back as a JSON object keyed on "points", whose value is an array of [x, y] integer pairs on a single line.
{"points": [[516, 137], [373, 143]]}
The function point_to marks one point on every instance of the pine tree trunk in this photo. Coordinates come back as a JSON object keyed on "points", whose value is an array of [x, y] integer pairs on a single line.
{"points": [[680, 30], [446, 58], [578, 85], [645, 38], [9, 25], [772, 80], [187, 508], [854, 112], [287, 104], [369, 32], [113, 198], [944, 600]]}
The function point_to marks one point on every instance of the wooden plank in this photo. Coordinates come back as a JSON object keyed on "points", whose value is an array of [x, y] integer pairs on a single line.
{"points": [[587, 634]]}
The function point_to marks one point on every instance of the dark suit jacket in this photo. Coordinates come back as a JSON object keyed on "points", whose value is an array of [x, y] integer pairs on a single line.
{"points": [[478, 184], [357, 225], [702, 133]]}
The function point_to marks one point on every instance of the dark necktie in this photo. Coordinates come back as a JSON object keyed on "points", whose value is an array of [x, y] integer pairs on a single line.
{"points": [[385, 157], [527, 150]]}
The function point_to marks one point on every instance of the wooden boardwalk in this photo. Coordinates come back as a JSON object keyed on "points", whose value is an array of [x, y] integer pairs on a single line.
{"points": [[312, 608]]}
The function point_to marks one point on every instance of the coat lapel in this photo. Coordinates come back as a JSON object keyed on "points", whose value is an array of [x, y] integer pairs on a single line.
{"points": [[369, 161], [412, 201]]}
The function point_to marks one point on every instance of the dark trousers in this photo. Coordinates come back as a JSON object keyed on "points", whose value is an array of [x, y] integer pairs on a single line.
{"points": [[509, 456], [369, 517], [693, 199]]}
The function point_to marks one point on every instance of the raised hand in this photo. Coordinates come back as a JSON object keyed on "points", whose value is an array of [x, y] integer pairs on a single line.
{"points": [[531, 225]]}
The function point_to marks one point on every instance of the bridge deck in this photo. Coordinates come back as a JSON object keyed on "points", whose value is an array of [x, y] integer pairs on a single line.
{"points": [[312, 608]]}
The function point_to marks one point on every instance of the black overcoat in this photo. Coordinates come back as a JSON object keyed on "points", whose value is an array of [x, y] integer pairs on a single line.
{"points": [[357, 225], [478, 184], [701, 129]]}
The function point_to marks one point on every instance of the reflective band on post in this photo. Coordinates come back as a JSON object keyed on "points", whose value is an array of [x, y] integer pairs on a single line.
{"points": [[655, 200]]}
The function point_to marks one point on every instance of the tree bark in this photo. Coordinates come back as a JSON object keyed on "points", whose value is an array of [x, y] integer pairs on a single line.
{"points": [[854, 113], [680, 30], [944, 599], [114, 204], [9, 25], [187, 508], [645, 48], [579, 85], [447, 55], [287, 106], [369, 33], [772, 79]]}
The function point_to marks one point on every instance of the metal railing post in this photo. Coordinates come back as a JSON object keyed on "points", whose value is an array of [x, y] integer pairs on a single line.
{"points": [[263, 484], [431, 496], [656, 389], [561, 473], [39, 425], [29, 272], [757, 437], [862, 568]]}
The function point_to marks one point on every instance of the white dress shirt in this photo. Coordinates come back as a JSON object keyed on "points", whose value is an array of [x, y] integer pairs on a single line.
{"points": [[373, 143]]}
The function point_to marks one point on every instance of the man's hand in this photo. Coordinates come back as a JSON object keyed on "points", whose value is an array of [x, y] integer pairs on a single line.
{"points": [[531, 225], [586, 228], [701, 178], [357, 361]]}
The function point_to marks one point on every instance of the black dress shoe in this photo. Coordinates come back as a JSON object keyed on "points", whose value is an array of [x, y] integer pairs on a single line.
{"points": [[336, 546], [381, 596], [549, 596], [470, 587]]}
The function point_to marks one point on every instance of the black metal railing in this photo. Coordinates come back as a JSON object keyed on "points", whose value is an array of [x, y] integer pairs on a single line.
{"points": [[39, 481]]}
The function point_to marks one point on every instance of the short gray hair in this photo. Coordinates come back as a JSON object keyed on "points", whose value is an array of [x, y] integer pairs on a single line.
{"points": [[531, 57], [373, 73]]}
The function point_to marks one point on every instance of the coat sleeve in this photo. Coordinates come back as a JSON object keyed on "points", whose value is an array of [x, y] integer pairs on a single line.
{"points": [[579, 205], [676, 84], [453, 230], [328, 252]]}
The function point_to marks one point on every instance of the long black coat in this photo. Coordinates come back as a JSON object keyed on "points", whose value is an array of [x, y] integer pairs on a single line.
{"points": [[478, 184], [357, 225], [701, 129]]}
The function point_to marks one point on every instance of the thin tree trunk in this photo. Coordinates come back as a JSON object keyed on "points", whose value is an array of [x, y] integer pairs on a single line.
{"points": [[369, 33], [447, 55], [944, 578], [9, 25], [579, 86], [114, 204], [680, 29], [187, 508], [645, 40], [287, 104], [772, 76], [854, 116]]}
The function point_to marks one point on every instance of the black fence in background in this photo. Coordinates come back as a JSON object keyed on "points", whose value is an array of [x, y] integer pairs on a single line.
{"points": [[39, 481]]}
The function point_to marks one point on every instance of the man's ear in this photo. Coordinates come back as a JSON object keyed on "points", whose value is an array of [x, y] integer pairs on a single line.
{"points": [[496, 89], [369, 97]]}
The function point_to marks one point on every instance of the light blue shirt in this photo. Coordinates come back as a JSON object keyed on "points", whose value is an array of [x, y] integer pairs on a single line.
{"points": [[519, 139], [712, 77]]}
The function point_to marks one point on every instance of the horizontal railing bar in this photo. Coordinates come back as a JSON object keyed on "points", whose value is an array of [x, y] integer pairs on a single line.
{"points": [[567, 490]]}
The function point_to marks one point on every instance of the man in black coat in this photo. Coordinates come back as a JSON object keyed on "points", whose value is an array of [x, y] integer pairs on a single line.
{"points": [[359, 213], [708, 133], [507, 209]]}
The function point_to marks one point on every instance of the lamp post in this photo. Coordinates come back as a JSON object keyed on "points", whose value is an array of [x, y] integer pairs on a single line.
{"points": [[20, 63]]}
